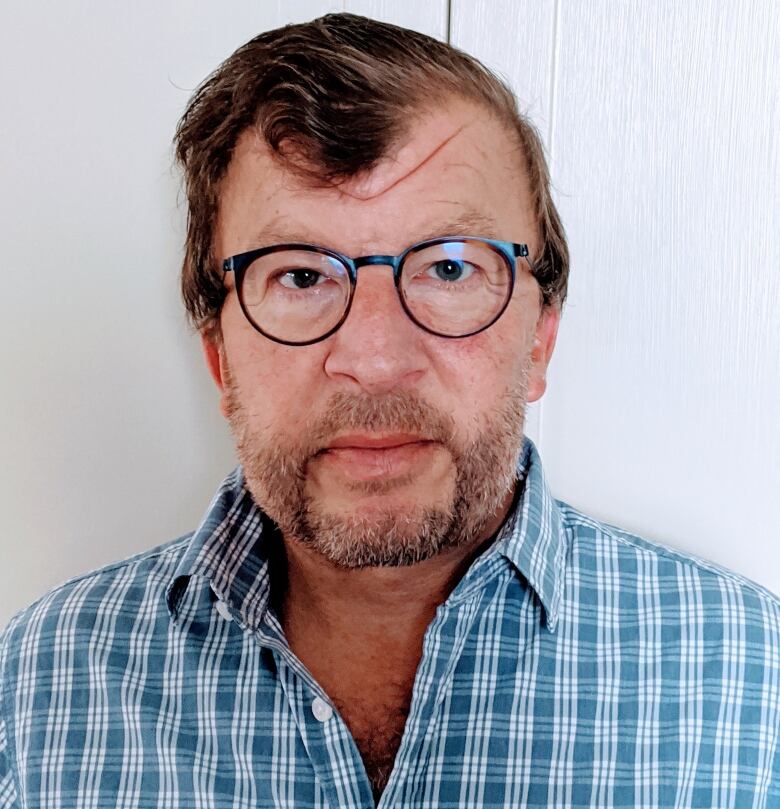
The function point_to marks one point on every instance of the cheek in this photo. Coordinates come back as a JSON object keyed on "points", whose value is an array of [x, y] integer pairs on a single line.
{"points": [[492, 355], [477, 370], [473, 374], [276, 382]]}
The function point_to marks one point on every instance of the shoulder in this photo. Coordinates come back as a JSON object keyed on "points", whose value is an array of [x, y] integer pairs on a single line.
{"points": [[92, 608], [657, 578]]}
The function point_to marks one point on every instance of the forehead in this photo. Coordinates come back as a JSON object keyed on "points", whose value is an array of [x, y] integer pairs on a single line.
{"points": [[457, 167]]}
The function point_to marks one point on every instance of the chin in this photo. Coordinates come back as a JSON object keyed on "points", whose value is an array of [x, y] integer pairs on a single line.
{"points": [[387, 496], [378, 537], [391, 530]]}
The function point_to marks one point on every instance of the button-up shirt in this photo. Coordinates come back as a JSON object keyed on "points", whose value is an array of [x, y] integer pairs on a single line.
{"points": [[573, 665]]}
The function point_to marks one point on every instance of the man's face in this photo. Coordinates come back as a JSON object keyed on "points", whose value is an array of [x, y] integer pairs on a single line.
{"points": [[384, 444]]}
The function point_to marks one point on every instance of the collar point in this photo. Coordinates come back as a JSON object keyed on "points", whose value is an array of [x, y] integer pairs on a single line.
{"points": [[551, 621]]}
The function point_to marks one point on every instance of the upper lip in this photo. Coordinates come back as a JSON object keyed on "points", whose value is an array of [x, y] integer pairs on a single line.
{"points": [[364, 441]]}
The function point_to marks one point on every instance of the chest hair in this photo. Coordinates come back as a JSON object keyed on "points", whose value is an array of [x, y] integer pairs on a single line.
{"points": [[377, 728]]}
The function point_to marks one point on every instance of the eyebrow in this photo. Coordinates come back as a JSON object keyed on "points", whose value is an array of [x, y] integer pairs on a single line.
{"points": [[468, 223]]}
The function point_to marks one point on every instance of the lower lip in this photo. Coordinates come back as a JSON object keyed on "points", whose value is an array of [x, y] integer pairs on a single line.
{"points": [[368, 464]]}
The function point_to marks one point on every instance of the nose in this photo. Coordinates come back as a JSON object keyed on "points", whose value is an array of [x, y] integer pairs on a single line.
{"points": [[378, 347]]}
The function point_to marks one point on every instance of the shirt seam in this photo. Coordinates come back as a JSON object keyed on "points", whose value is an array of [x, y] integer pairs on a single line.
{"points": [[575, 517], [153, 553]]}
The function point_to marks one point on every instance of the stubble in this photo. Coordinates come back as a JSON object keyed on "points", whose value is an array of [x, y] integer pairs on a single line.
{"points": [[485, 469]]}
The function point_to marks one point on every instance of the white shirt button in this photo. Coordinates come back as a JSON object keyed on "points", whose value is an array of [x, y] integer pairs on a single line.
{"points": [[321, 710], [223, 610]]}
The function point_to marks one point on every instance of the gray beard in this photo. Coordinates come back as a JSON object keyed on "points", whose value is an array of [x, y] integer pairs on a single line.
{"points": [[486, 469]]}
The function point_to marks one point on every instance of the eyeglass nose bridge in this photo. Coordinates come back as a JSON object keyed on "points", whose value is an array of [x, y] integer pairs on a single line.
{"points": [[377, 261]]}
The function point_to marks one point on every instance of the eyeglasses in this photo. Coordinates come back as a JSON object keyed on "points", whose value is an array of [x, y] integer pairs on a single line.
{"points": [[298, 294]]}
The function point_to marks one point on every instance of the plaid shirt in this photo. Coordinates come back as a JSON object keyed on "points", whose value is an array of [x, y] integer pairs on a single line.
{"points": [[574, 665]]}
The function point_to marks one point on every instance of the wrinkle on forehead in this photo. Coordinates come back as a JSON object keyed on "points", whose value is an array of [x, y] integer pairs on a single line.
{"points": [[409, 159]]}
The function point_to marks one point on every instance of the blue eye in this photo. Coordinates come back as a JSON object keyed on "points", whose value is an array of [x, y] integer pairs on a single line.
{"points": [[450, 269]]}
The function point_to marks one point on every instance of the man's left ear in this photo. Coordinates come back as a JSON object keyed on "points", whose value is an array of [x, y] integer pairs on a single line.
{"points": [[545, 335]]}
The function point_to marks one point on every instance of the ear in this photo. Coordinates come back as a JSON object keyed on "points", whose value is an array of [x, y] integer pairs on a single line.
{"points": [[545, 334], [213, 353]]}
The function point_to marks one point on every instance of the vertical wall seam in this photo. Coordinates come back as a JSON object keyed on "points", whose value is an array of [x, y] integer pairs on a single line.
{"points": [[448, 31], [555, 50], [552, 108]]}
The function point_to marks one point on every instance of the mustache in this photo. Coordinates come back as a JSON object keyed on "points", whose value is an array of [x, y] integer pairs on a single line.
{"points": [[398, 411], [288, 457]]}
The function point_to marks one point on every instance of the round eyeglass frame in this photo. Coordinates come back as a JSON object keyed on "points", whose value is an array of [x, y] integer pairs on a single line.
{"points": [[509, 252]]}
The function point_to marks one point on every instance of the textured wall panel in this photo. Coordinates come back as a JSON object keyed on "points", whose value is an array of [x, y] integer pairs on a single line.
{"points": [[666, 387], [429, 17], [662, 413]]}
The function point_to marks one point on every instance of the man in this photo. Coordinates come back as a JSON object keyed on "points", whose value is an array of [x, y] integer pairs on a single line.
{"points": [[384, 603]]}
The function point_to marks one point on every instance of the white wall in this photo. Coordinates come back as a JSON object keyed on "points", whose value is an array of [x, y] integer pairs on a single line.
{"points": [[662, 123]]}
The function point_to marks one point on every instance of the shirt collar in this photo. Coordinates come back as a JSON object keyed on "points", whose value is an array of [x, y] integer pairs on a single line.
{"points": [[229, 552], [533, 538], [230, 549]]}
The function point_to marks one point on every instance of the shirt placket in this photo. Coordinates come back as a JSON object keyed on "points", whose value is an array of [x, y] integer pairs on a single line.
{"points": [[332, 752], [442, 647]]}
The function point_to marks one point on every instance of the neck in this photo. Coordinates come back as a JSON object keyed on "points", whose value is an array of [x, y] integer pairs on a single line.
{"points": [[394, 604]]}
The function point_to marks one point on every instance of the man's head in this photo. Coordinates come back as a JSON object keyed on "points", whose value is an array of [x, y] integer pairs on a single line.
{"points": [[365, 138]]}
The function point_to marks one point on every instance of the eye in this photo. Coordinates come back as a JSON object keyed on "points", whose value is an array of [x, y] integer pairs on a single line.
{"points": [[300, 279], [450, 269]]}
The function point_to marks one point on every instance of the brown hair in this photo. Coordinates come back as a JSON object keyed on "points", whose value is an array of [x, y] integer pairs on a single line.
{"points": [[339, 90]]}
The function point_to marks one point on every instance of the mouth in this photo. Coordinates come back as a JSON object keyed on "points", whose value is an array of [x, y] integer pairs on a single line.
{"points": [[376, 442], [368, 457]]}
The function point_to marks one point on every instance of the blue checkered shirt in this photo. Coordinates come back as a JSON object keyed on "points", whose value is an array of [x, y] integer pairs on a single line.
{"points": [[574, 665]]}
